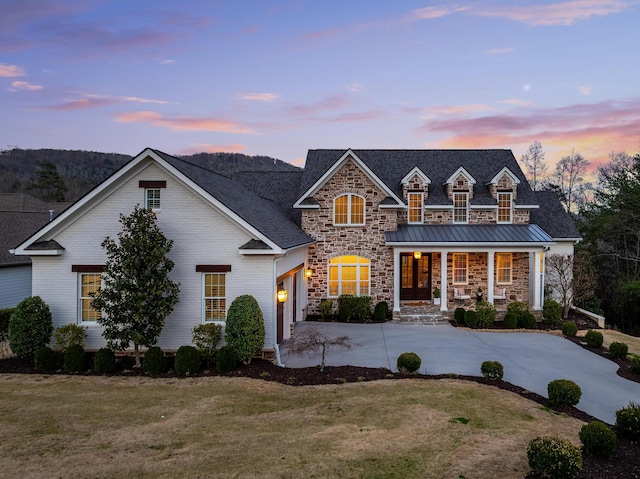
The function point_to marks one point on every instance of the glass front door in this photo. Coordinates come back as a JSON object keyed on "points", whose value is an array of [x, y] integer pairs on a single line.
{"points": [[416, 277]]}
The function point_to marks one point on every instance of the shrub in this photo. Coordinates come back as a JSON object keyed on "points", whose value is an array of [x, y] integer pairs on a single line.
{"points": [[635, 365], [569, 329], [551, 312], [485, 313], [408, 363], [45, 359], [517, 307], [325, 308], [226, 360], [511, 320], [245, 327], [5, 314], [554, 457], [492, 370], [598, 439], [30, 327], [470, 318], [104, 362], [594, 339], [187, 361], [618, 350], [346, 305], [362, 308], [381, 311], [628, 421], [563, 392], [74, 360], [205, 338], [153, 361], [458, 315], [527, 320], [69, 335]]}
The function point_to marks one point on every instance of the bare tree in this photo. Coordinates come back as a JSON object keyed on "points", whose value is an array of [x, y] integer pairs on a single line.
{"points": [[568, 179], [533, 160], [311, 340], [571, 278]]}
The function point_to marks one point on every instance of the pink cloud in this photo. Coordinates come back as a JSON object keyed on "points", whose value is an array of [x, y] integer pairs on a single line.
{"points": [[23, 85], [268, 97], [11, 70], [332, 102], [208, 148], [183, 123], [90, 100], [435, 111], [429, 13]]}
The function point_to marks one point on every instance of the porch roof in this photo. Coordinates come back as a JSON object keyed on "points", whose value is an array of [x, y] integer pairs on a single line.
{"points": [[472, 235]]}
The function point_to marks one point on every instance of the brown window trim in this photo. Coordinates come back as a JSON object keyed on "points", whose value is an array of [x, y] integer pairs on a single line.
{"points": [[213, 268], [152, 184], [291, 272], [87, 268]]}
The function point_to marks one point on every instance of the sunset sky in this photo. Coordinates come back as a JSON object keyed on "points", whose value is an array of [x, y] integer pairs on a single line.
{"points": [[277, 78]]}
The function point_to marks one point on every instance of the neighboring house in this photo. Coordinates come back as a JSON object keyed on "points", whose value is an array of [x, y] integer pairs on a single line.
{"points": [[20, 216], [391, 224]]}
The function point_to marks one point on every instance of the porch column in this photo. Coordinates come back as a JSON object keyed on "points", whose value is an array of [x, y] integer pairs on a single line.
{"points": [[491, 274], [443, 280], [538, 280], [396, 280]]}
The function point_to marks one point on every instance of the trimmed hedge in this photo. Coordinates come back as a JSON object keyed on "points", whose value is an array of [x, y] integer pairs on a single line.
{"points": [[104, 362], [492, 370], [485, 313], [381, 311], [69, 335], [598, 439], [74, 359], [245, 327], [30, 327], [408, 363], [569, 329], [226, 360], [205, 338], [153, 361], [458, 315], [527, 320], [554, 457], [470, 318], [594, 339], [628, 421], [5, 314], [635, 365], [618, 350], [325, 308], [45, 359], [511, 321], [551, 312], [354, 308], [187, 361], [563, 392]]}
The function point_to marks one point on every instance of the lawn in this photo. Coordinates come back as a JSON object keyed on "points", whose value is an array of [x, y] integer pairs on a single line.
{"points": [[136, 427]]}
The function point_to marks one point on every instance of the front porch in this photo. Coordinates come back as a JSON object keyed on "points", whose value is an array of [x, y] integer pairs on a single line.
{"points": [[428, 313]]}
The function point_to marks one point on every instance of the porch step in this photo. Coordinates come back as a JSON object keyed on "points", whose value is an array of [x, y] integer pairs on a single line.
{"points": [[425, 314]]}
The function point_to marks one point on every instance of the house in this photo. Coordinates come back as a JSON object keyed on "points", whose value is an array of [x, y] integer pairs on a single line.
{"points": [[20, 216], [391, 224]]}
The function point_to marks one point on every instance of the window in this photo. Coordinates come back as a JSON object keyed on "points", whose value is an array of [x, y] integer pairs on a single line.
{"points": [[214, 301], [504, 267], [415, 201], [152, 198], [460, 207], [348, 210], [349, 275], [89, 283], [504, 207], [460, 268]]}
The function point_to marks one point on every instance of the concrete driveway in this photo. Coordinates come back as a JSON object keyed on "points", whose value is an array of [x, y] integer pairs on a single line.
{"points": [[530, 360]]}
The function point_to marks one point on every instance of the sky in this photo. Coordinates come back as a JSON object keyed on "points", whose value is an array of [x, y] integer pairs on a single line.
{"points": [[280, 77]]}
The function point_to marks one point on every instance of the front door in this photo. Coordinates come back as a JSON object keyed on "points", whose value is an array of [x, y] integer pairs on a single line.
{"points": [[416, 276]]}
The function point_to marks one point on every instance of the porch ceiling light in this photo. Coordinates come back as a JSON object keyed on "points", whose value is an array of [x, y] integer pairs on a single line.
{"points": [[417, 254], [282, 295], [308, 273]]}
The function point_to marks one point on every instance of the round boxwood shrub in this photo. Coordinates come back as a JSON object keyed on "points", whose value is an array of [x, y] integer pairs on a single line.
{"points": [[74, 359], [30, 327], [408, 363], [470, 318], [325, 308], [551, 312], [245, 327], [594, 339], [104, 362], [569, 329], [563, 392], [598, 439], [154, 362], [618, 350], [527, 320], [226, 360], [628, 421], [635, 365], [187, 361], [68, 335], [458, 315], [486, 313], [205, 338], [381, 311], [492, 370], [511, 320], [45, 359], [554, 457]]}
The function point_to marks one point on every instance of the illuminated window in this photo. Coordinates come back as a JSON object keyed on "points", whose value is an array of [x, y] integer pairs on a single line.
{"points": [[504, 207], [415, 201], [89, 283], [460, 268], [504, 267], [348, 210], [349, 275], [214, 301], [152, 198], [460, 208]]}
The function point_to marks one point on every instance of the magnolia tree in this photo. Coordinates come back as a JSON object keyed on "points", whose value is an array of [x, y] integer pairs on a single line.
{"points": [[137, 294]]}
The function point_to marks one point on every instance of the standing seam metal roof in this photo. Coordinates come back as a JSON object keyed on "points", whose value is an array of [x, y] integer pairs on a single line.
{"points": [[481, 234]]}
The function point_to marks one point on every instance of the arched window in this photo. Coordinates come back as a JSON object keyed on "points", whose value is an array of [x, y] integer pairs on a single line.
{"points": [[349, 275], [348, 210]]}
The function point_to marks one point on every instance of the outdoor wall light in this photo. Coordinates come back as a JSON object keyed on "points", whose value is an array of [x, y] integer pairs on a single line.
{"points": [[417, 254], [282, 295], [308, 273]]}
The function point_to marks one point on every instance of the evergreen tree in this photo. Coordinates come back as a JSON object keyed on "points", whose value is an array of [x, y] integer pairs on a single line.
{"points": [[49, 182], [137, 294]]}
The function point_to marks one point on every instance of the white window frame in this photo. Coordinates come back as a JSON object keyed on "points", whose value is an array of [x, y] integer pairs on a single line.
{"points": [[350, 197], [205, 298], [420, 208], [500, 257], [151, 197], [454, 268], [510, 209], [82, 298], [358, 280], [457, 208]]}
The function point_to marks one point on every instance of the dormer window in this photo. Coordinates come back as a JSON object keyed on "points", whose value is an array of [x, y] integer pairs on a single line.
{"points": [[348, 210], [504, 207], [460, 208], [415, 201]]}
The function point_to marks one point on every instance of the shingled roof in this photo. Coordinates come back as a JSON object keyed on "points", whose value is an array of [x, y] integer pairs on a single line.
{"points": [[553, 218]]}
